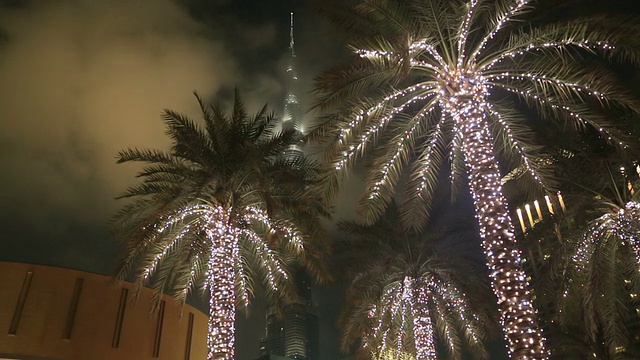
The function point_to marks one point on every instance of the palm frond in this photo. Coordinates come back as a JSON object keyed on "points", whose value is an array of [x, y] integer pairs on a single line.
{"points": [[189, 142], [416, 207]]}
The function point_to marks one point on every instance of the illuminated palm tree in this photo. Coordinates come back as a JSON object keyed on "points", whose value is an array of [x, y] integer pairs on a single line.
{"points": [[585, 271], [601, 273], [413, 308], [585, 274], [410, 290], [227, 206], [438, 83]]}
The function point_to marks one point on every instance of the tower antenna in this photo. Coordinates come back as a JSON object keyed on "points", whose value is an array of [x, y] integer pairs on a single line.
{"points": [[291, 42]]}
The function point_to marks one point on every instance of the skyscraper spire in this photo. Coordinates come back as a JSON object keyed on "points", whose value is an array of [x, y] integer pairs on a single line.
{"points": [[292, 112], [291, 42]]}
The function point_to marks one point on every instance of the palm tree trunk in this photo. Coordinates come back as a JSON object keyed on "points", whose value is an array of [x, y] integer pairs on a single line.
{"points": [[422, 326], [222, 303], [518, 316]]}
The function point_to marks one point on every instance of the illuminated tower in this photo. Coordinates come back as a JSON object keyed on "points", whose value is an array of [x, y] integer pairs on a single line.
{"points": [[292, 115], [293, 333]]}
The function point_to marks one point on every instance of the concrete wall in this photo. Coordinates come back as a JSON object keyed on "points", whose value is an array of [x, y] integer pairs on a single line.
{"points": [[54, 314]]}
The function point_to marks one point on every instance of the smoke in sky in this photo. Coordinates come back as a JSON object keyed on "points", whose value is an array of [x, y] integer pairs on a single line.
{"points": [[80, 80]]}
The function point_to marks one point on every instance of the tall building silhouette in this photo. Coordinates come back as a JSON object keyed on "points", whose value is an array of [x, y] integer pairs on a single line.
{"points": [[294, 332], [292, 115]]}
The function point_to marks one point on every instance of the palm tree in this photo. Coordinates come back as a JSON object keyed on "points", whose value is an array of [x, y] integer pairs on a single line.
{"points": [[587, 269], [227, 206], [408, 290], [602, 273], [437, 83]]}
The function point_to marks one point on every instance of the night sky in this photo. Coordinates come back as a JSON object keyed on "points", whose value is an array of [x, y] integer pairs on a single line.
{"points": [[82, 79]]}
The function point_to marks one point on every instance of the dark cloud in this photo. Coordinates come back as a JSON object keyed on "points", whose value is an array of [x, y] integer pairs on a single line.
{"points": [[82, 80]]}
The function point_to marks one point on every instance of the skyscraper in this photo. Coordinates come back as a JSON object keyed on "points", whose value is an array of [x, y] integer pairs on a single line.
{"points": [[294, 332], [292, 115]]}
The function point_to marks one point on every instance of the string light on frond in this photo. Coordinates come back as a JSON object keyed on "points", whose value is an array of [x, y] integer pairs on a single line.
{"points": [[441, 314], [425, 160], [151, 268], [371, 110], [238, 270], [367, 338], [384, 173], [516, 145], [163, 227], [501, 21], [542, 80], [622, 225], [290, 234], [424, 45], [609, 137], [600, 45], [192, 276], [464, 33], [456, 302], [364, 139], [375, 314], [375, 54], [269, 261]]}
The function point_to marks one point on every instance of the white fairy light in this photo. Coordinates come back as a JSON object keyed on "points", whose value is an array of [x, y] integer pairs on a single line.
{"points": [[406, 304], [502, 19], [575, 114], [220, 279], [533, 47], [456, 81], [290, 234], [514, 142], [401, 146], [224, 262], [366, 137], [423, 332], [620, 225], [425, 159], [464, 33]]}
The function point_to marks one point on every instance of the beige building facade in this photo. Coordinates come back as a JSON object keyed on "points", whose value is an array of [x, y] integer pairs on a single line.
{"points": [[51, 313]]}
